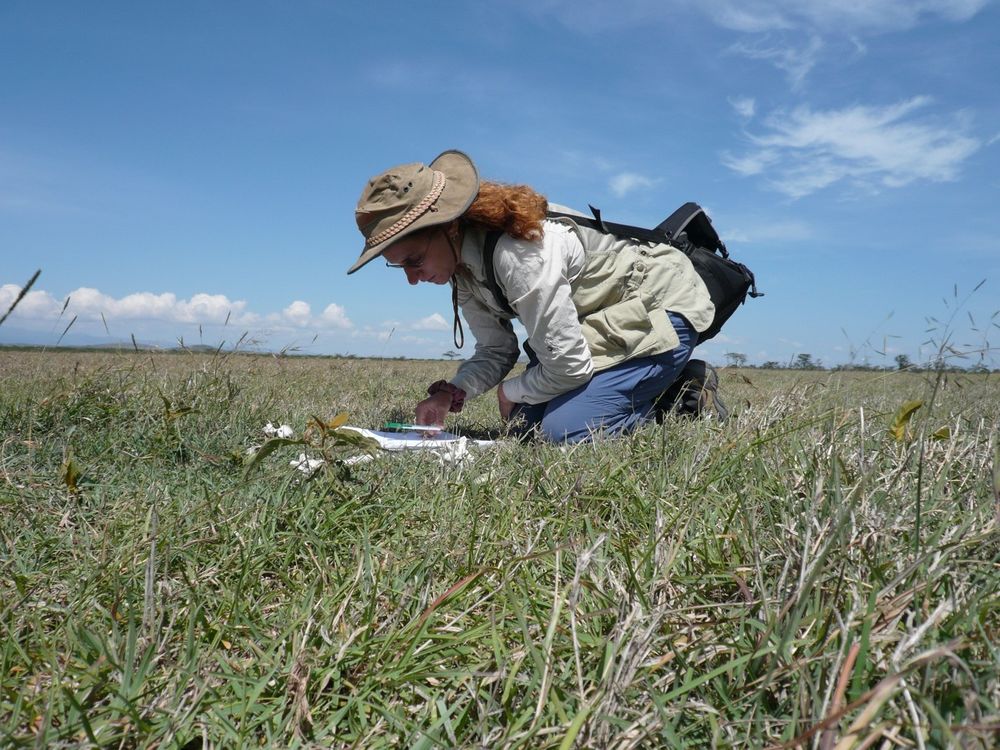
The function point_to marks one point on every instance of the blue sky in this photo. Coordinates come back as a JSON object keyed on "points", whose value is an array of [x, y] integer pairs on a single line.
{"points": [[172, 167]]}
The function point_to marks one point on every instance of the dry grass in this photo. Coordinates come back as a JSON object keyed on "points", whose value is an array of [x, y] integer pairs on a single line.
{"points": [[797, 576]]}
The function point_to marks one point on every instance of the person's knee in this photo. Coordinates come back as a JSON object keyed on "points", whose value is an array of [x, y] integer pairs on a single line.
{"points": [[568, 428], [562, 428]]}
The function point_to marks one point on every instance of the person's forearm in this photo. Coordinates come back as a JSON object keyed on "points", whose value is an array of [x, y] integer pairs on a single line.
{"points": [[484, 370]]}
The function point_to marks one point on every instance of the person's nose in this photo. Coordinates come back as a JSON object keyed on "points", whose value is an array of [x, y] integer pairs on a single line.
{"points": [[412, 275]]}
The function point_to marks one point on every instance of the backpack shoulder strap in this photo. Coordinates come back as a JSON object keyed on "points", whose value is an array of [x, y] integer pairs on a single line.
{"points": [[692, 220], [597, 223], [608, 227], [489, 250], [689, 219]]}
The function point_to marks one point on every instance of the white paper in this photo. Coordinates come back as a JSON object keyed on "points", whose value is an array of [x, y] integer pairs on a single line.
{"points": [[446, 446]]}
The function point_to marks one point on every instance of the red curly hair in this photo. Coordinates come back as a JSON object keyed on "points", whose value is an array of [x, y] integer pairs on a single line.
{"points": [[517, 210]]}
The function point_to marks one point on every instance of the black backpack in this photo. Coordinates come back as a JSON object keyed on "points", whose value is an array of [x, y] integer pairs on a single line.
{"points": [[690, 230]]}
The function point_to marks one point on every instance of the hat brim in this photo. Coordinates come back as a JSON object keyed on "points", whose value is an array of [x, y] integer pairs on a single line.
{"points": [[461, 188]]}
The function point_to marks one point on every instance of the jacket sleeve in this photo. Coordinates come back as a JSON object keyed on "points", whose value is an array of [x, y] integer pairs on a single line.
{"points": [[537, 286], [496, 348]]}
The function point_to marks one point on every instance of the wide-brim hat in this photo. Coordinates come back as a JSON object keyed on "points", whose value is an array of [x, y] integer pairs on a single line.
{"points": [[411, 197]]}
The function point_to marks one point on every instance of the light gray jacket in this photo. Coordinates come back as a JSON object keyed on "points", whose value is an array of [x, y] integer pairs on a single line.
{"points": [[587, 300]]}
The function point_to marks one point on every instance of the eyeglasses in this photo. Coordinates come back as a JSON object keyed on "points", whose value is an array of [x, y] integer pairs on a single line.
{"points": [[412, 263]]}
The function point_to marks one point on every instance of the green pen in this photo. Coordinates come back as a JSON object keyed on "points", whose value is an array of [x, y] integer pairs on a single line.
{"points": [[413, 427]]}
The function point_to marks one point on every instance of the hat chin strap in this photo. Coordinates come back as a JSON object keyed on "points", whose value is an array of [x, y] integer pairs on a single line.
{"points": [[457, 334]]}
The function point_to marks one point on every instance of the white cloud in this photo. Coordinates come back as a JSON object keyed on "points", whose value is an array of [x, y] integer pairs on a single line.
{"points": [[433, 322], [857, 16], [204, 309], [784, 20], [784, 23], [749, 18], [752, 163], [626, 182], [91, 304], [745, 106], [872, 147], [795, 62], [335, 316], [36, 304], [756, 16], [298, 313]]}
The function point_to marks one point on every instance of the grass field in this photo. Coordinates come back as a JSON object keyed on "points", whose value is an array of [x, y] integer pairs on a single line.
{"points": [[816, 572]]}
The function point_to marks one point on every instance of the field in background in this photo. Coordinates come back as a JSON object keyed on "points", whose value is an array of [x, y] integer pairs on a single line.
{"points": [[819, 570]]}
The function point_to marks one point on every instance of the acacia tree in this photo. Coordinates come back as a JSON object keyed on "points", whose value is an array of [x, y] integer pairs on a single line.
{"points": [[736, 359], [805, 361]]}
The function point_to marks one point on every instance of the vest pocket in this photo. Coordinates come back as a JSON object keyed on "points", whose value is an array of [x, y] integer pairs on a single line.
{"points": [[619, 329]]}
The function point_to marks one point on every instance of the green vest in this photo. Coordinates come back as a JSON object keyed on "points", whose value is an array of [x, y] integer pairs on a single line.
{"points": [[625, 288], [620, 295]]}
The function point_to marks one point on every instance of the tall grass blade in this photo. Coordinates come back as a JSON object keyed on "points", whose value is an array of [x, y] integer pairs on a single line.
{"points": [[21, 294]]}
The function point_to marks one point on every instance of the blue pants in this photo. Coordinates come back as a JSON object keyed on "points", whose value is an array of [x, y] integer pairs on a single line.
{"points": [[615, 401]]}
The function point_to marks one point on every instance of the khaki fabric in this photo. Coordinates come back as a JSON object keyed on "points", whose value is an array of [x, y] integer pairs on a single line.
{"points": [[410, 197], [588, 301]]}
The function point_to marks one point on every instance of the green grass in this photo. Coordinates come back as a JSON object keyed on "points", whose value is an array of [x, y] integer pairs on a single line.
{"points": [[797, 575]]}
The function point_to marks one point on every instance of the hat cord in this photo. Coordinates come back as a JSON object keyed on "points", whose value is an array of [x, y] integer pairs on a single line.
{"points": [[457, 334]]}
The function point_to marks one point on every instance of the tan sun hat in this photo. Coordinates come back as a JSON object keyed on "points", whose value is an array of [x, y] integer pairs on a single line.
{"points": [[410, 197]]}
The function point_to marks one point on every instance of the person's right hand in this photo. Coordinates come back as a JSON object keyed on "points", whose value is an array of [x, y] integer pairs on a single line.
{"points": [[434, 409]]}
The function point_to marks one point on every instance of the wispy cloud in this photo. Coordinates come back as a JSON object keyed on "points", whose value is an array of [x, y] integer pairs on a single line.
{"points": [[786, 23], [624, 183], [794, 61], [753, 162], [872, 147], [407, 332], [583, 162], [869, 16], [89, 304], [750, 18], [745, 106], [756, 16], [381, 335], [774, 231], [433, 322]]}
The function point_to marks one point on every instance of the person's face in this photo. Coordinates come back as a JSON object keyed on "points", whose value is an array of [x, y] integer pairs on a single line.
{"points": [[423, 256]]}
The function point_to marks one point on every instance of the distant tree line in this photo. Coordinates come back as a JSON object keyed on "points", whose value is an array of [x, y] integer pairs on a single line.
{"points": [[806, 361]]}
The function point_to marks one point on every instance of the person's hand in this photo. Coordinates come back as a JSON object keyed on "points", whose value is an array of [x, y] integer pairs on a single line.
{"points": [[434, 409], [505, 404]]}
